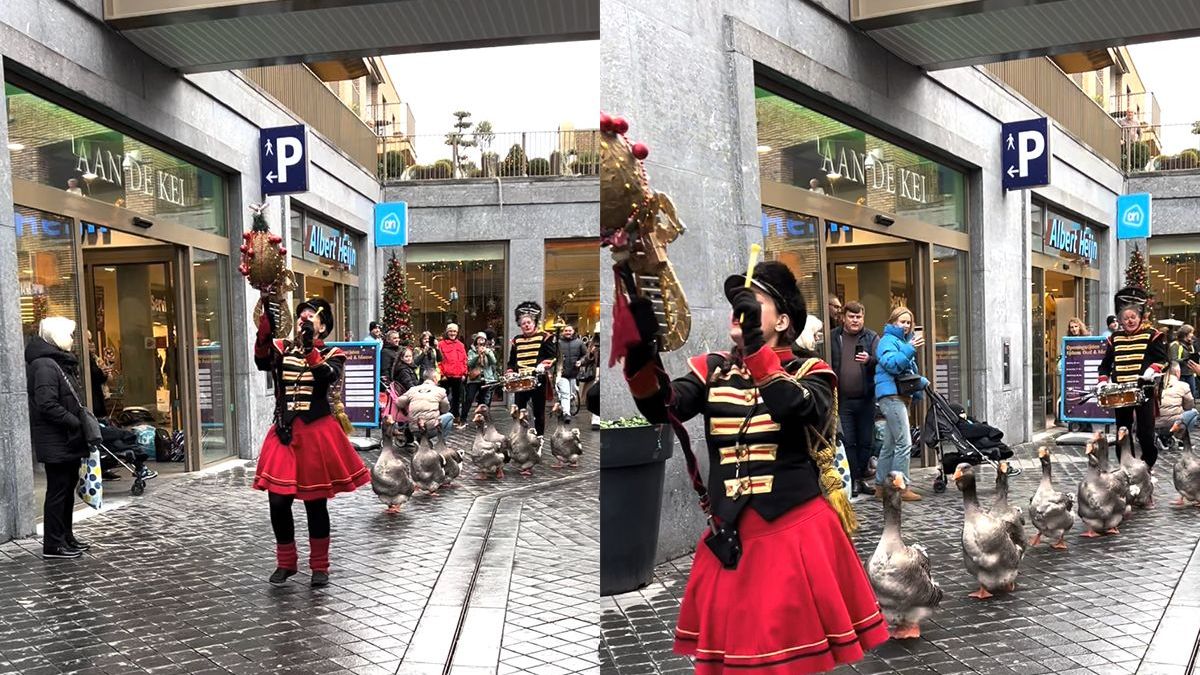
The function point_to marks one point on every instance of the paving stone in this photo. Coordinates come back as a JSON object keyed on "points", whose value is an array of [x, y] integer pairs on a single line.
{"points": [[1091, 609]]}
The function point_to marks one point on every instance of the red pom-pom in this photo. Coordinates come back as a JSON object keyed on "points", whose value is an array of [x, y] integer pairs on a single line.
{"points": [[244, 248], [282, 251], [247, 236], [275, 239], [640, 150], [605, 122], [620, 125]]}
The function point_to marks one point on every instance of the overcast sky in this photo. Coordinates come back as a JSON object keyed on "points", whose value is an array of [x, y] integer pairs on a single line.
{"points": [[524, 88], [1169, 70]]}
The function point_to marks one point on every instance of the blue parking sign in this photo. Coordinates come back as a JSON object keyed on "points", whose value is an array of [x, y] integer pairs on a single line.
{"points": [[1133, 216], [391, 224]]}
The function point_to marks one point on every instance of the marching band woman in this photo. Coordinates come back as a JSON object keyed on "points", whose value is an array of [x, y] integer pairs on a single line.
{"points": [[532, 351], [776, 585], [306, 454], [1135, 353]]}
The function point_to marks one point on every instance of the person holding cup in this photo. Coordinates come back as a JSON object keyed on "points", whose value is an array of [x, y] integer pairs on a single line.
{"points": [[897, 384], [853, 359]]}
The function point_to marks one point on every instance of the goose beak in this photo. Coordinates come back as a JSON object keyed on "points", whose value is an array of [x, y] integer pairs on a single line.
{"points": [[1043, 452], [1002, 467], [1090, 448], [898, 482], [958, 474]]}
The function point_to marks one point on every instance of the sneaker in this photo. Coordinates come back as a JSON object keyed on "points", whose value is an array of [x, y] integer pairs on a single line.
{"points": [[910, 496], [319, 579], [61, 553], [280, 576], [79, 544], [864, 488], [879, 492], [147, 474]]}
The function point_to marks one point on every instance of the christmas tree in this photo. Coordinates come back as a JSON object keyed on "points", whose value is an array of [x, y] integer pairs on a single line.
{"points": [[1135, 272], [396, 310]]}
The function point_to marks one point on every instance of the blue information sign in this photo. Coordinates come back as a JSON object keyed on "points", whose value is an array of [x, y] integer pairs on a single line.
{"points": [[283, 159], [391, 224], [360, 382], [1133, 216], [1081, 357], [1025, 149]]}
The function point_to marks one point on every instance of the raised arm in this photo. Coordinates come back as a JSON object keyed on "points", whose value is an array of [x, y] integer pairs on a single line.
{"points": [[266, 350]]}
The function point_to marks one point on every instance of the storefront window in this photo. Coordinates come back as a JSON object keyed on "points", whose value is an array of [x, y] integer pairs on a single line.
{"points": [[210, 272], [452, 283], [46, 270], [1174, 273], [1039, 348], [53, 146], [573, 283], [792, 239], [950, 323], [801, 147]]}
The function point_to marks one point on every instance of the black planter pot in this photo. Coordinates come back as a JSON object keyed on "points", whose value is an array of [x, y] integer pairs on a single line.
{"points": [[632, 467]]}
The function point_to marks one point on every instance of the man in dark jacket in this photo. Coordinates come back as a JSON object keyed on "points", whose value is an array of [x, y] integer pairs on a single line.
{"points": [[387, 358], [853, 359], [56, 429], [570, 354]]}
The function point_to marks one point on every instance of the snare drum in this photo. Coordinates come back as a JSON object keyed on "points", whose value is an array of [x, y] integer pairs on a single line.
{"points": [[1127, 395], [520, 382]]}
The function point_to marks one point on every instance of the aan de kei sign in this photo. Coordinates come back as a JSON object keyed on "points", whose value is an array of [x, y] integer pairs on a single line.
{"points": [[1025, 153], [283, 159]]}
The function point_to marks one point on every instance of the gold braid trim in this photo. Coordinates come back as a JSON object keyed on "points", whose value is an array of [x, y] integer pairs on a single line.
{"points": [[822, 447]]}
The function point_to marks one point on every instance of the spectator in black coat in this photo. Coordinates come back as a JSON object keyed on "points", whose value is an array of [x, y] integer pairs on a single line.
{"points": [[387, 358], [56, 429]]}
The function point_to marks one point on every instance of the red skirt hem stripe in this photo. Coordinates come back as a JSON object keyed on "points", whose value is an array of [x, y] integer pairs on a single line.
{"points": [[318, 464], [799, 601]]}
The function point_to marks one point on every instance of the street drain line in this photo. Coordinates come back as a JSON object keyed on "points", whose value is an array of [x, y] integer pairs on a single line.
{"points": [[1191, 666], [462, 614]]}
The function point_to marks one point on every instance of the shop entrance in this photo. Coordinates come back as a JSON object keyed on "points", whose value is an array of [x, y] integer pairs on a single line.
{"points": [[1057, 297]]}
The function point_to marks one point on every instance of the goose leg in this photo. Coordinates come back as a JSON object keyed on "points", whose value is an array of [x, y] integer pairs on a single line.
{"points": [[1037, 539], [981, 594], [906, 632], [1179, 501], [1061, 545], [1112, 530], [1090, 533]]}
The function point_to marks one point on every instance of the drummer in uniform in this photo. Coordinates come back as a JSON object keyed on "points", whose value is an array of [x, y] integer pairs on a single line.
{"points": [[1136, 354], [531, 352]]}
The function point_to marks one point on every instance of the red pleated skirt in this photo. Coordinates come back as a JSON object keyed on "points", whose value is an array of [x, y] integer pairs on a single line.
{"points": [[319, 463], [798, 602]]}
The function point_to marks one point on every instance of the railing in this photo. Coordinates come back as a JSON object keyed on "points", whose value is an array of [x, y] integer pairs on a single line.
{"points": [[1181, 143], [1046, 86], [499, 155], [1140, 108], [305, 94], [392, 119]]}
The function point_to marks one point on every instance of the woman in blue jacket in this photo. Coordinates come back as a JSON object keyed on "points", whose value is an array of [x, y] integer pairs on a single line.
{"points": [[897, 355]]}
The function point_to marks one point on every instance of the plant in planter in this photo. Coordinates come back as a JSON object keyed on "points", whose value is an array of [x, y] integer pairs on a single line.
{"points": [[633, 455]]}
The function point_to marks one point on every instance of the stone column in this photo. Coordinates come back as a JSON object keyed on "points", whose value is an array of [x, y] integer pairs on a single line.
{"points": [[17, 505]]}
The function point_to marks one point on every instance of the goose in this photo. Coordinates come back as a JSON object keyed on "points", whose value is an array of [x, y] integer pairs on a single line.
{"points": [[900, 573], [1103, 494], [391, 479], [428, 467], [989, 552], [1013, 516], [487, 454], [1141, 483], [1186, 473], [565, 444], [1052, 512], [526, 445]]}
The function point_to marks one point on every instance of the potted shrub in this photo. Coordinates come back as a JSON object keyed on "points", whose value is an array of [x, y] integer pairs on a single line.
{"points": [[633, 455]]}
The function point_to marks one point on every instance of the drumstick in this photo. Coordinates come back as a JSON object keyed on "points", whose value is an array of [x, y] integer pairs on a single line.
{"points": [[754, 251]]}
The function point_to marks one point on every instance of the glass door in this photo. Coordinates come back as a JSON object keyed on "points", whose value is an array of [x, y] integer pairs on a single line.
{"points": [[1038, 347]]}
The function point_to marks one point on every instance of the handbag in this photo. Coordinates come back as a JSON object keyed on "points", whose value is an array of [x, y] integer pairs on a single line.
{"points": [[475, 373], [908, 384], [91, 487], [89, 425]]}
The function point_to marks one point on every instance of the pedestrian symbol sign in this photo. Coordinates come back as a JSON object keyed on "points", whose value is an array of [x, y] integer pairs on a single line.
{"points": [[283, 159], [1025, 151], [1133, 216]]}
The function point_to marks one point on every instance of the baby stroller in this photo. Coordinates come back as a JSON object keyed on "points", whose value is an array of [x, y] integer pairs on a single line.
{"points": [[974, 442], [119, 447]]}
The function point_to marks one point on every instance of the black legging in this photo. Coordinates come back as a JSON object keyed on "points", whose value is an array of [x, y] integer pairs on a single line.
{"points": [[538, 396], [61, 479], [1144, 429], [454, 389], [283, 525]]}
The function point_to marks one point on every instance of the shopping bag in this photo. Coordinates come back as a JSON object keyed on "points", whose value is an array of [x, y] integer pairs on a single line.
{"points": [[90, 489], [842, 462]]}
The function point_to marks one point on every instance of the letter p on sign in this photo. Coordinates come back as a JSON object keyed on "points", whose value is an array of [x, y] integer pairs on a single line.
{"points": [[1025, 154], [283, 157]]}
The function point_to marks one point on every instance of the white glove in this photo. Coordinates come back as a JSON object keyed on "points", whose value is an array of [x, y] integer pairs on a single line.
{"points": [[1150, 374], [1100, 387], [541, 368]]}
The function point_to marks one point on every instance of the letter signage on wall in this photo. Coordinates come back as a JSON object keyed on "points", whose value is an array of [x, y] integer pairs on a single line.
{"points": [[1025, 153], [1073, 240], [283, 159]]}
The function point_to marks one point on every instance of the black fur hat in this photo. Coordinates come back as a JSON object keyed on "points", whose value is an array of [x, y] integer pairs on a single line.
{"points": [[528, 308], [319, 305], [1131, 296], [776, 280]]}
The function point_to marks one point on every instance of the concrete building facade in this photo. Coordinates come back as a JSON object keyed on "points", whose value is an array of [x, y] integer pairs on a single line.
{"points": [[690, 76], [63, 57]]}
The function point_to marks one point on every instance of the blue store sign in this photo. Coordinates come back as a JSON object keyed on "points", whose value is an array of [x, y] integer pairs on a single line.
{"points": [[1133, 216], [1074, 240], [391, 224], [1025, 149], [283, 160]]}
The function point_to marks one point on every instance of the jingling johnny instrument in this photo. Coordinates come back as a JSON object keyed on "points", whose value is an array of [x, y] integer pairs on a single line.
{"points": [[636, 224], [264, 264]]}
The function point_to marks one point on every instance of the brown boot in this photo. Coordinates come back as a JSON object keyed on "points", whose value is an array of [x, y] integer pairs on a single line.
{"points": [[878, 492], [910, 496]]}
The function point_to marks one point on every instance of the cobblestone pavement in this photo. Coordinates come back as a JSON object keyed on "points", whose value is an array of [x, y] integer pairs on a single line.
{"points": [[1094, 608], [176, 582]]}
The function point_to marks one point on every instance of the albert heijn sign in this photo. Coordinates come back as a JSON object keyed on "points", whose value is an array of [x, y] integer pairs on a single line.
{"points": [[1073, 240], [283, 159]]}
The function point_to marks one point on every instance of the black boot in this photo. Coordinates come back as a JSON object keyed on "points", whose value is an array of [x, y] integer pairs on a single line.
{"points": [[319, 579], [280, 576], [80, 544]]}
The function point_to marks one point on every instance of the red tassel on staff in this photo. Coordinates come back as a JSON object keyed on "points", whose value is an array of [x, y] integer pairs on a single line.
{"points": [[624, 328]]}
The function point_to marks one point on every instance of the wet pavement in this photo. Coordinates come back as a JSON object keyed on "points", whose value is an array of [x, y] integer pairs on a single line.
{"points": [[1128, 603], [497, 576]]}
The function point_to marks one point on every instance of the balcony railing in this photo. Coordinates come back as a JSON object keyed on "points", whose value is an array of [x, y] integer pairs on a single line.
{"points": [[1140, 149], [1140, 108], [392, 119], [1046, 86], [302, 92], [499, 155]]}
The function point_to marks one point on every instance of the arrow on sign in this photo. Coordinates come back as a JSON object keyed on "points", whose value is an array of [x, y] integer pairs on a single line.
{"points": [[271, 152], [1012, 170], [271, 177], [1011, 146]]}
